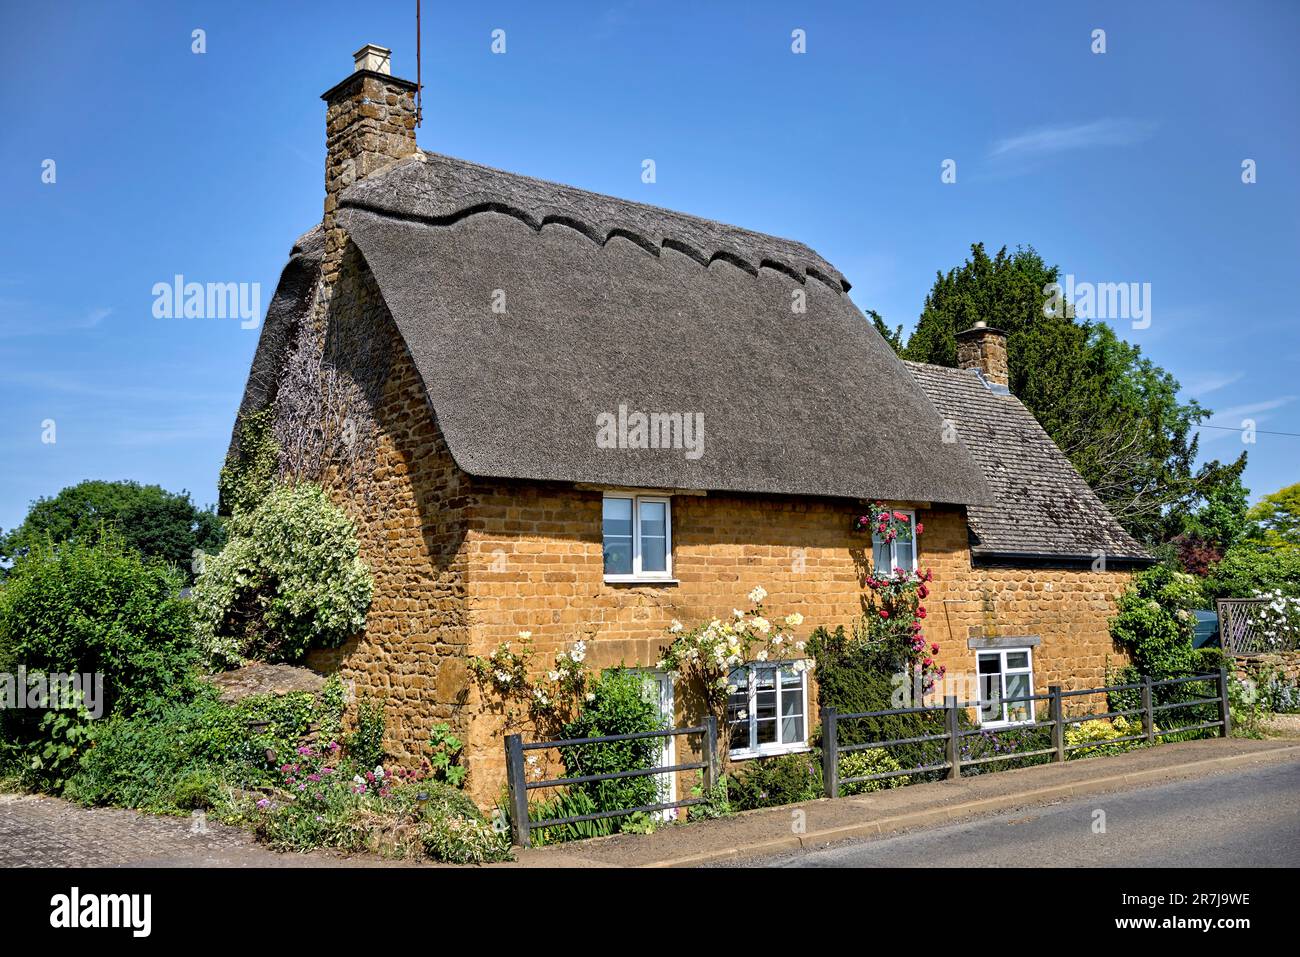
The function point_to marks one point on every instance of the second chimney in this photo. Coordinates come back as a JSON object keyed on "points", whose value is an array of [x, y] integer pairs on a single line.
{"points": [[984, 348]]}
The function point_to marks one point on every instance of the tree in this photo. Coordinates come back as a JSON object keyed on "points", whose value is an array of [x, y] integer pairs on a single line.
{"points": [[1115, 414], [147, 518], [1277, 519]]}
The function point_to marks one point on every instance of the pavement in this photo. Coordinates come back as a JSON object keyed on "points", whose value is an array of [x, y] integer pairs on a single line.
{"points": [[1249, 817], [38, 831], [754, 835]]}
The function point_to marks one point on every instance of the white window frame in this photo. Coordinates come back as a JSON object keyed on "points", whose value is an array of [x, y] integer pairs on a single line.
{"points": [[893, 546], [637, 574], [666, 699], [1003, 671], [764, 750]]}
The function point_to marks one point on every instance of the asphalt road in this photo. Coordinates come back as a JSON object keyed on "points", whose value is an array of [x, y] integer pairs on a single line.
{"points": [[1249, 818]]}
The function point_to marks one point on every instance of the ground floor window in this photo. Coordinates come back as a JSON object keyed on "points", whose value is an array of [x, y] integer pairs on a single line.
{"points": [[767, 711], [1004, 676]]}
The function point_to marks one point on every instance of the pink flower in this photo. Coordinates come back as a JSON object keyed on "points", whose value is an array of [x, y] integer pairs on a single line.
{"points": [[934, 649], [919, 528], [900, 517], [884, 613], [920, 611]]}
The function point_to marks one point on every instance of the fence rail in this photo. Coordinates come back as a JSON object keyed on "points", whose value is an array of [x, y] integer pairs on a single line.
{"points": [[521, 827], [1057, 722], [831, 721]]}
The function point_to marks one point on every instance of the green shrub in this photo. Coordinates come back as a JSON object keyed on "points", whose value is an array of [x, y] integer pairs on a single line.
{"points": [[871, 761], [249, 475], [771, 782], [617, 703], [380, 811], [855, 676], [1155, 621], [173, 756], [289, 579], [365, 745], [444, 756], [88, 608], [1006, 743], [1099, 731], [463, 840]]}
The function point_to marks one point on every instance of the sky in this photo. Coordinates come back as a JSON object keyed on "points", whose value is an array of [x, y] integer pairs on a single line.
{"points": [[1122, 166]]}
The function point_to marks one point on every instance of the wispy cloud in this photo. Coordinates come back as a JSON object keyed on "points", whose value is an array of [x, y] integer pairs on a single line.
{"points": [[1061, 139], [1225, 422], [1212, 383], [95, 317]]}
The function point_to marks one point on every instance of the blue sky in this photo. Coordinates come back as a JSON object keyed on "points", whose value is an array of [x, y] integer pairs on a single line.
{"points": [[1120, 167]]}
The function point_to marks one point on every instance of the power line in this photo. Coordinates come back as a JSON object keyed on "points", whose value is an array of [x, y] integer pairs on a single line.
{"points": [[1229, 428]]}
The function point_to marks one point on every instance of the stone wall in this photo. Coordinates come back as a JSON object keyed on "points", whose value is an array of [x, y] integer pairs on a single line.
{"points": [[1283, 663], [536, 564]]}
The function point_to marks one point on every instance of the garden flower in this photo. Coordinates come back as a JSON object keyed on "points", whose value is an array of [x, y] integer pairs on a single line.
{"points": [[884, 613], [794, 620], [757, 595], [264, 803], [525, 635], [920, 611], [676, 626], [919, 528], [762, 656]]}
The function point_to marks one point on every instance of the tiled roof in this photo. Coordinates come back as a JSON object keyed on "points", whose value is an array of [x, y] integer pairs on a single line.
{"points": [[1041, 505]]}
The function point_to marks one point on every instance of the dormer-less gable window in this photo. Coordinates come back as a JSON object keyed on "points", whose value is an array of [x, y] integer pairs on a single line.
{"points": [[900, 553], [637, 534]]}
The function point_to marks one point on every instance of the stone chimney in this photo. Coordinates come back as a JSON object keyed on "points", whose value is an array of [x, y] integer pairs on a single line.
{"points": [[984, 348], [369, 124]]}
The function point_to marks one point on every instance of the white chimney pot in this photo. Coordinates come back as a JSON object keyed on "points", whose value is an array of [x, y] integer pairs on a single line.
{"points": [[377, 59]]}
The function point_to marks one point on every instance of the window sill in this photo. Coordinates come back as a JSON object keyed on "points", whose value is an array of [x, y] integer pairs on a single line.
{"points": [[772, 751], [638, 580]]}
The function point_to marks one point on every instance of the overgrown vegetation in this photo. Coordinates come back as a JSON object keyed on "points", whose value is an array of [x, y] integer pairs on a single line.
{"points": [[290, 579], [249, 475], [95, 609]]}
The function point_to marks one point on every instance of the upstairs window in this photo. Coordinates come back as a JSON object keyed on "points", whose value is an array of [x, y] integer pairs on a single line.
{"points": [[638, 541], [900, 553]]}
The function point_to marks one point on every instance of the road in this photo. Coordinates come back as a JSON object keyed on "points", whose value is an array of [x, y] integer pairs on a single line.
{"points": [[1248, 818]]}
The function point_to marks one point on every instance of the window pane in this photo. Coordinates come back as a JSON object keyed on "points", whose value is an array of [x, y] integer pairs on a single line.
{"points": [[880, 561], [903, 554], [738, 716], [792, 730], [1017, 659], [990, 698], [989, 664], [654, 536], [618, 536], [767, 731], [1018, 687]]}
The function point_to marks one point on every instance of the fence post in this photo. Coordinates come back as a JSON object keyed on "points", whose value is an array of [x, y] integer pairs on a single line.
{"points": [[710, 755], [518, 790], [954, 737], [1225, 708], [1058, 721], [1148, 713], [830, 753]]}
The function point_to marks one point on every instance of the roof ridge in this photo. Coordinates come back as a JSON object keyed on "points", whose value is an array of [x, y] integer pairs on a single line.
{"points": [[441, 190], [645, 243]]}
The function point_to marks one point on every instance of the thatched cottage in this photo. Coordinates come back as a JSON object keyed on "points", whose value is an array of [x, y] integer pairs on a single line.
{"points": [[581, 416]]}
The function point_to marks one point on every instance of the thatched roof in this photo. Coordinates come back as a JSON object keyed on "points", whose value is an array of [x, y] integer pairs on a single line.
{"points": [[609, 304]]}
